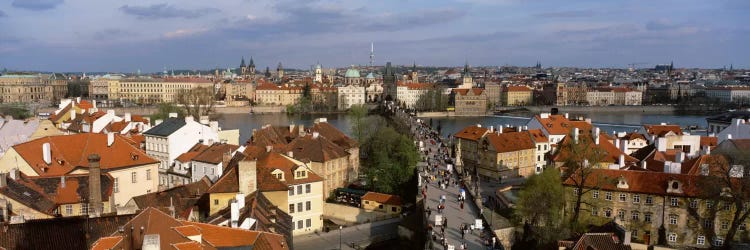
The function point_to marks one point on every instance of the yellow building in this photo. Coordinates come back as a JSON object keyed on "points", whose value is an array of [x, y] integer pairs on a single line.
{"points": [[379, 202], [25, 88], [517, 96], [467, 146], [507, 154], [470, 102], [154, 90]]}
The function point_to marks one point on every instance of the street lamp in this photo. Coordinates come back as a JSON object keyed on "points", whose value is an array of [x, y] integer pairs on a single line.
{"points": [[340, 227]]}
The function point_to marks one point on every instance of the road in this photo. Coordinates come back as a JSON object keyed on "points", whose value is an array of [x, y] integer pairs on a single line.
{"points": [[361, 235]]}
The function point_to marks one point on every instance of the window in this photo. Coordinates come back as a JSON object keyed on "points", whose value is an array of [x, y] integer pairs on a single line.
{"points": [[84, 208], [634, 233], [635, 215], [608, 212], [743, 227], [595, 194], [623, 197], [307, 188], [291, 208], [649, 200], [621, 214], [718, 242], [708, 223], [69, 209], [594, 211], [393, 209], [709, 204], [647, 217], [291, 191], [299, 189], [672, 237], [693, 204], [308, 223], [148, 174], [134, 177], [727, 206], [674, 202], [216, 202], [672, 219], [308, 206], [636, 198], [116, 185], [299, 207], [380, 206], [701, 240], [575, 191], [724, 225], [608, 196], [299, 224]]}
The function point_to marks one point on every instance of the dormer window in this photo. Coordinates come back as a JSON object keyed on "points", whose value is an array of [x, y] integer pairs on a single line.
{"points": [[278, 174], [674, 186], [622, 183], [299, 174]]}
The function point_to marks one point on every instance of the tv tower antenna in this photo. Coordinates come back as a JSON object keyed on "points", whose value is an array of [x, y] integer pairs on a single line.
{"points": [[372, 54]]}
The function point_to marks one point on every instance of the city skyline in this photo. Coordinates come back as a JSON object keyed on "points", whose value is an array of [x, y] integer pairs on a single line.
{"points": [[57, 35]]}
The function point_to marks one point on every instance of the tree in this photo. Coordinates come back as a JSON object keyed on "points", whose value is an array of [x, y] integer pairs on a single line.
{"points": [[540, 205], [727, 187], [358, 113], [391, 161], [580, 157], [197, 102], [163, 110]]}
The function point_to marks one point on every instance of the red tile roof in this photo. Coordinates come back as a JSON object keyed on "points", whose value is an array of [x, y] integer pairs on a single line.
{"points": [[517, 89], [611, 152], [510, 142], [644, 182], [661, 130], [272, 161], [473, 133], [382, 198], [215, 153], [107, 243], [475, 91], [559, 125], [71, 151]]}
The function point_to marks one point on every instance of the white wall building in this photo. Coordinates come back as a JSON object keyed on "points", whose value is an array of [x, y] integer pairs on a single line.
{"points": [[350, 95]]}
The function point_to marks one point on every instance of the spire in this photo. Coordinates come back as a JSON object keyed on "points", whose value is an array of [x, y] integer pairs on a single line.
{"points": [[252, 64], [242, 64], [279, 67], [372, 53], [414, 66]]}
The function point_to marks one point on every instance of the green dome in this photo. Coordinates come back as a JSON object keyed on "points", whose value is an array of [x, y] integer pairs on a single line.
{"points": [[352, 73], [370, 76]]}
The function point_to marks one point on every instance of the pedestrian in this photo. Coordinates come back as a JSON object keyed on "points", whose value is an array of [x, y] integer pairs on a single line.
{"points": [[429, 211], [462, 205], [442, 230], [445, 221], [462, 232]]}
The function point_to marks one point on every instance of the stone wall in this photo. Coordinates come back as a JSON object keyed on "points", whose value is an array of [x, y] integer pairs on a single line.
{"points": [[352, 215]]}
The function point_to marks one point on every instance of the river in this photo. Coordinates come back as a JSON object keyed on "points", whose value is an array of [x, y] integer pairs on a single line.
{"points": [[607, 122]]}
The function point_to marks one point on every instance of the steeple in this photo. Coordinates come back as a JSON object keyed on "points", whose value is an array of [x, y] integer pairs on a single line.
{"points": [[414, 66], [280, 71], [251, 67], [242, 64]]}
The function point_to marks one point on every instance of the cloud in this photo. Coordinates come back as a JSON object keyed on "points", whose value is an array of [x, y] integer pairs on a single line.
{"points": [[2, 14], [36, 4], [660, 24], [159, 11], [566, 14], [183, 33]]}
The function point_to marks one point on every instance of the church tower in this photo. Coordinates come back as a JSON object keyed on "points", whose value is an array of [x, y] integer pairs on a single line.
{"points": [[280, 71], [243, 67], [389, 83], [318, 73], [414, 75], [466, 81], [251, 67]]}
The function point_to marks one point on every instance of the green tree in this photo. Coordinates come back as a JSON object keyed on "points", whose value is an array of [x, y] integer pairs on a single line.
{"points": [[197, 102], [391, 160], [358, 113], [163, 110], [580, 157], [540, 205]]}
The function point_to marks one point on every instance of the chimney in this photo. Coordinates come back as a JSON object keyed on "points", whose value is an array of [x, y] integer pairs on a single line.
{"points": [[621, 161], [643, 164], [617, 144], [172, 115], [624, 146], [492, 129], [596, 135], [567, 116], [240, 200], [95, 186], [525, 128], [111, 112], [545, 115], [93, 103], [301, 129], [110, 139], [679, 157], [151, 242], [729, 136], [214, 125], [708, 150], [626, 240], [518, 128], [189, 118], [290, 154], [72, 114], [203, 119], [234, 216], [575, 135], [269, 148], [315, 135], [128, 117], [62, 181], [291, 128], [47, 153], [661, 144], [227, 156], [479, 125], [14, 174], [157, 122], [247, 175]]}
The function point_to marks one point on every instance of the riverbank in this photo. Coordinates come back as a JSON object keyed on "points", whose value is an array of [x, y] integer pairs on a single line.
{"points": [[528, 111]]}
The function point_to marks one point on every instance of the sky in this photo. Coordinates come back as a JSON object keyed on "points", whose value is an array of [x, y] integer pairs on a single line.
{"points": [[128, 35]]}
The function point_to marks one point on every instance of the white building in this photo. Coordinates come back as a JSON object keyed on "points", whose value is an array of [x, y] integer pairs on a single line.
{"points": [[169, 139], [409, 93], [350, 95]]}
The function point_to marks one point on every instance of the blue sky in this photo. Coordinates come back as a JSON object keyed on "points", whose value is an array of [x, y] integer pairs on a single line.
{"points": [[126, 35]]}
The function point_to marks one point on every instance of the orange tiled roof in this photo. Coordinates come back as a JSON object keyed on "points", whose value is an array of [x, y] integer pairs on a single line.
{"points": [[612, 153], [214, 154], [188, 230], [709, 141], [107, 243], [318, 149], [559, 125], [538, 135], [192, 245], [382, 198], [643, 182], [85, 105], [272, 161], [224, 237], [661, 130], [473, 133], [510, 142], [71, 151], [415, 85], [517, 89], [475, 91]]}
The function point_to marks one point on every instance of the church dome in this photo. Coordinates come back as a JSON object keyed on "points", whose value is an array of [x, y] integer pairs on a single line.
{"points": [[370, 76], [352, 73]]}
